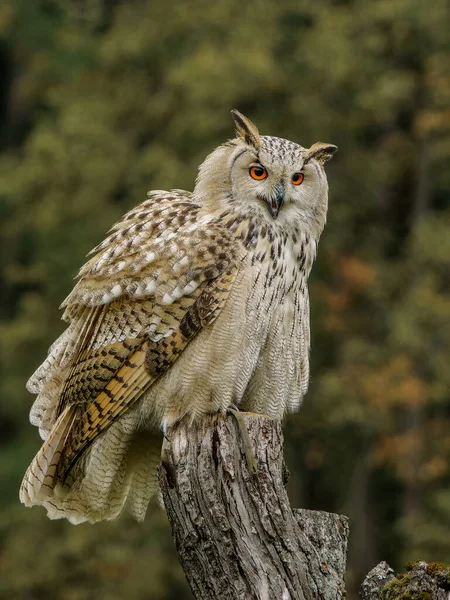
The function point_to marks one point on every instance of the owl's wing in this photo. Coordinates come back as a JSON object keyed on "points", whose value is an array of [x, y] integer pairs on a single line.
{"points": [[163, 274]]}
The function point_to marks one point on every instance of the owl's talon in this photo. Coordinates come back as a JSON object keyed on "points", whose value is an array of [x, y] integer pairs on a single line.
{"points": [[249, 454]]}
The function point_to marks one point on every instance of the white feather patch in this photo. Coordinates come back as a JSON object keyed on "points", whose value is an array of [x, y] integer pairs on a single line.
{"points": [[167, 299], [150, 287], [150, 257], [190, 287], [116, 291]]}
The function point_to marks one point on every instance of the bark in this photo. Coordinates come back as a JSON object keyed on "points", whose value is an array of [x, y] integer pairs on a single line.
{"points": [[422, 581], [236, 535]]}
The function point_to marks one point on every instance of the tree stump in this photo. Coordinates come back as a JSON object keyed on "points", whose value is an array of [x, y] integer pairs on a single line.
{"points": [[422, 581], [236, 535]]}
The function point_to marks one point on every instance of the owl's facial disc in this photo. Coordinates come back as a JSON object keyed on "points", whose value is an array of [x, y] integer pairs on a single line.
{"points": [[274, 177]]}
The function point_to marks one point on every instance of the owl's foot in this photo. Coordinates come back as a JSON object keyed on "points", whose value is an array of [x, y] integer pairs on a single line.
{"points": [[249, 454]]}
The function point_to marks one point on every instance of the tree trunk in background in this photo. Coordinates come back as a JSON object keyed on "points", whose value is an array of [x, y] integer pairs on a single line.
{"points": [[235, 532], [362, 550], [422, 198]]}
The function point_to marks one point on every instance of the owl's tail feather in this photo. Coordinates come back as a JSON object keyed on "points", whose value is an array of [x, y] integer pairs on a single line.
{"points": [[40, 478], [117, 473]]}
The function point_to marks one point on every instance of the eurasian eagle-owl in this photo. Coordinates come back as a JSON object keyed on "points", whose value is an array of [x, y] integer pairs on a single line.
{"points": [[195, 302]]}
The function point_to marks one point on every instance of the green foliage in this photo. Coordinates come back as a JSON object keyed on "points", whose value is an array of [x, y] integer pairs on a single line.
{"points": [[111, 561], [101, 101]]}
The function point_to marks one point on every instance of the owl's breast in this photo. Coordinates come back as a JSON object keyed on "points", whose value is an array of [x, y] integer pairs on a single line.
{"points": [[278, 308], [251, 352]]}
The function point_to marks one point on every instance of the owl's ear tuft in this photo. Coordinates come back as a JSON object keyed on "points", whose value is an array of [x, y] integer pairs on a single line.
{"points": [[320, 152], [246, 129]]}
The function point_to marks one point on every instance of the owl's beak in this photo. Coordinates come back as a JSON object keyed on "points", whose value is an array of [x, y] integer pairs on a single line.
{"points": [[276, 201]]}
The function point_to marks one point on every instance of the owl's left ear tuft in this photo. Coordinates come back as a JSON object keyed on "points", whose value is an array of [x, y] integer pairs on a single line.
{"points": [[246, 129], [320, 152]]}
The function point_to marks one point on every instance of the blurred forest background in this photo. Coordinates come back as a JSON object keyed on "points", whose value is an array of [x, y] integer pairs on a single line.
{"points": [[102, 100]]}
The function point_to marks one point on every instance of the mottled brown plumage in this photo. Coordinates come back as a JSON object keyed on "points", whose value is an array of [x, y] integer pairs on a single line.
{"points": [[194, 302]]}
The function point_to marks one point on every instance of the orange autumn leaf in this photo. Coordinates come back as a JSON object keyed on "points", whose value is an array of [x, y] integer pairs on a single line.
{"points": [[395, 383], [356, 273], [400, 450], [434, 468]]}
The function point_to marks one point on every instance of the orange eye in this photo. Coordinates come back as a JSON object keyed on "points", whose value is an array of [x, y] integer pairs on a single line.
{"points": [[258, 172], [297, 178]]}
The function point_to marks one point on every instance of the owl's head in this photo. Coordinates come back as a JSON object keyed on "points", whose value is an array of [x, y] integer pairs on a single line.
{"points": [[268, 177]]}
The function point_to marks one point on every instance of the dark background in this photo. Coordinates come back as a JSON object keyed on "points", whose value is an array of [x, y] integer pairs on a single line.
{"points": [[101, 101]]}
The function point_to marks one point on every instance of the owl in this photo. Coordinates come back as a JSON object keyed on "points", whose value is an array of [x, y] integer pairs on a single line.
{"points": [[195, 302]]}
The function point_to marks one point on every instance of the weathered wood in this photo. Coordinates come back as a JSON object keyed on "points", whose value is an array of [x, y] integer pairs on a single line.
{"points": [[328, 533], [375, 581], [236, 535], [421, 581]]}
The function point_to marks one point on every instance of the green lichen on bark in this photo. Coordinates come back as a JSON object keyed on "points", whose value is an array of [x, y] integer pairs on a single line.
{"points": [[400, 589], [441, 572], [396, 589], [421, 581]]}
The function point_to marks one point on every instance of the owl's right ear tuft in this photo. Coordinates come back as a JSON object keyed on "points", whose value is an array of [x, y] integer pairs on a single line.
{"points": [[246, 130], [320, 152]]}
